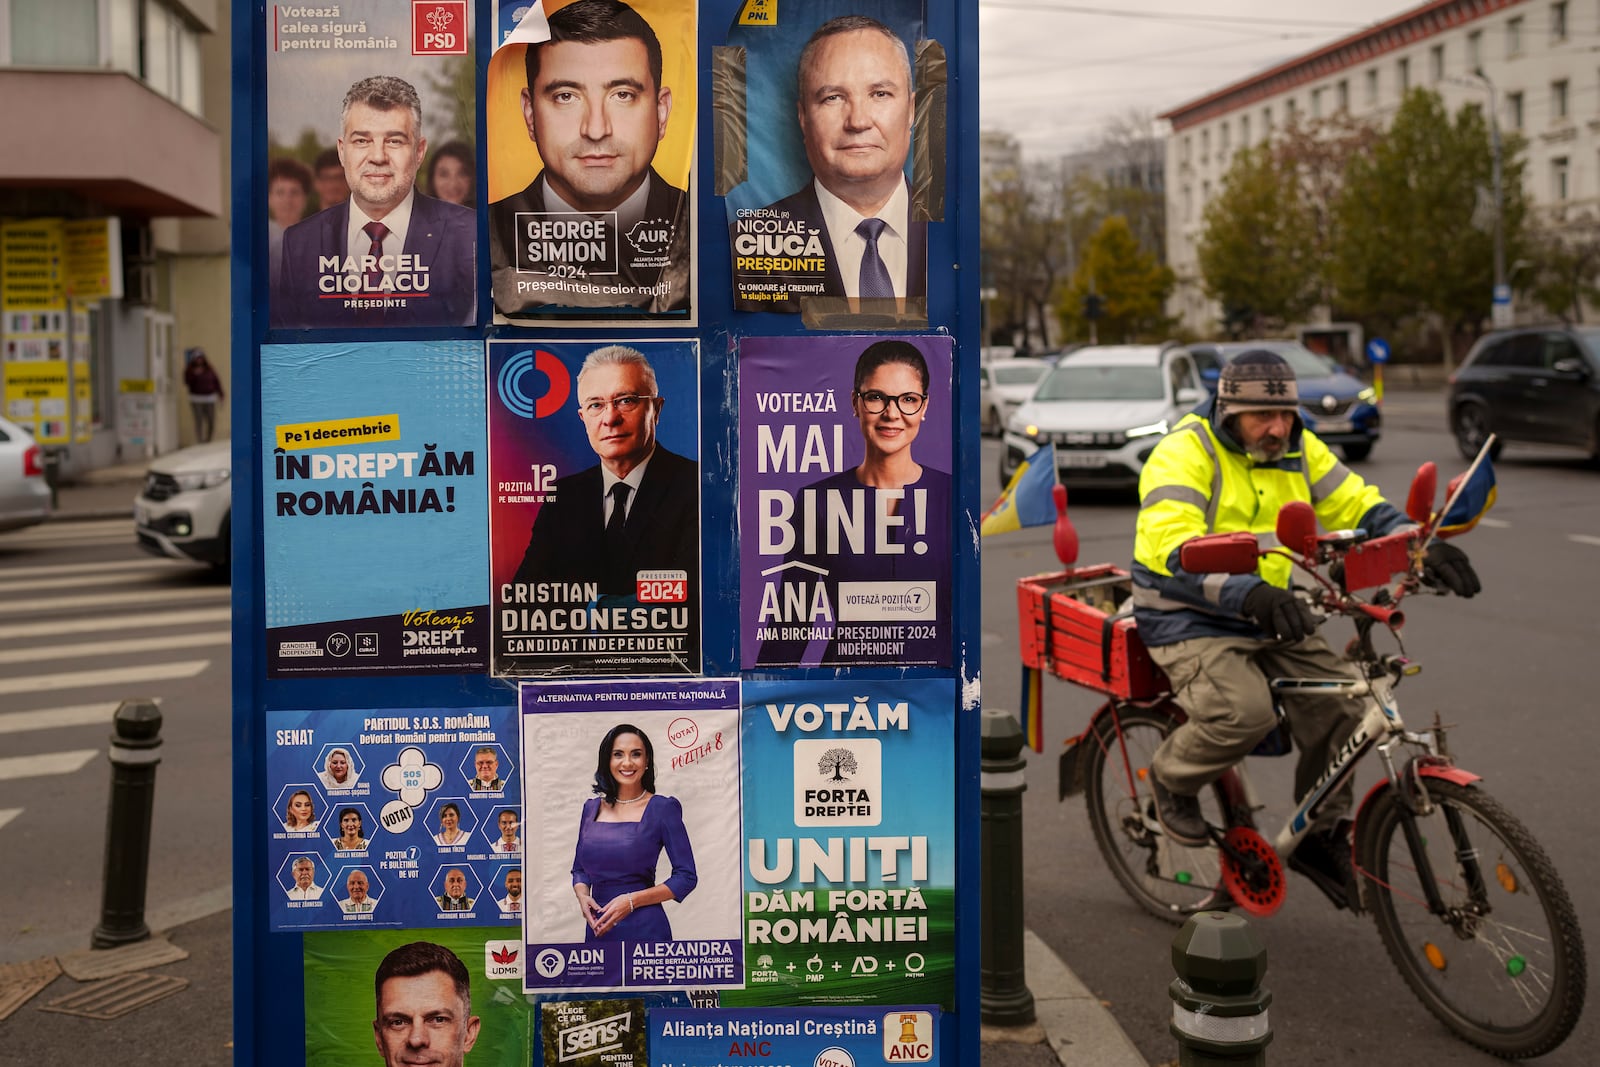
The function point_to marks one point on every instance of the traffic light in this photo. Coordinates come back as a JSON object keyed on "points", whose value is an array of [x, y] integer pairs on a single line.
{"points": [[1093, 306]]}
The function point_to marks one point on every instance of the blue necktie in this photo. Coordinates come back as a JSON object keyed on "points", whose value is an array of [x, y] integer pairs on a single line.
{"points": [[874, 275]]}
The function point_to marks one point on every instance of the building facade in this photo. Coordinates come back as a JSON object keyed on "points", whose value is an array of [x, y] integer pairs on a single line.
{"points": [[1535, 58], [116, 114]]}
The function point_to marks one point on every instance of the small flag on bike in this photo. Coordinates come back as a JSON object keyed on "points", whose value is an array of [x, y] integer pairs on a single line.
{"points": [[1033, 707], [1027, 499], [1471, 498]]}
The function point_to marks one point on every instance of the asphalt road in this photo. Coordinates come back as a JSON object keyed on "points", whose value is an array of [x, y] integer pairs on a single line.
{"points": [[88, 620], [1512, 669]]}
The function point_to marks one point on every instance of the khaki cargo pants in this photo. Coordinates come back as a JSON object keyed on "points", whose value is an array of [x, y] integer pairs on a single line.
{"points": [[1221, 683]]}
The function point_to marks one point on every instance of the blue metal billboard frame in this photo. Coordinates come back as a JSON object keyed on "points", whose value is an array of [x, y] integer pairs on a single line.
{"points": [[269, 1017]]}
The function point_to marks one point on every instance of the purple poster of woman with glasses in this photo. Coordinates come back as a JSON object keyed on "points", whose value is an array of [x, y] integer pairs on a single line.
{"points": [[845, 501]]}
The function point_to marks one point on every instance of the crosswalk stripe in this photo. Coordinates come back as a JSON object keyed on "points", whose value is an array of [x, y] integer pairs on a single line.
{"points": [[7, 814], [104, 581], [45, 763], [61, 531], [118, 648], [1495, 524], [149, 563], [16, 722], [1584, 539], [152, 672], [106, 600], [135, 620]]}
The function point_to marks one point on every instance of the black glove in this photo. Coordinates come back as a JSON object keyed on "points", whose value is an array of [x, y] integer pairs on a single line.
{"points": [[1279, 613], [1446, 565]]}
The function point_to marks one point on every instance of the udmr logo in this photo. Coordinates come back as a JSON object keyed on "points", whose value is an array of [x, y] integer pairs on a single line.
{"points": [[439, 27]]}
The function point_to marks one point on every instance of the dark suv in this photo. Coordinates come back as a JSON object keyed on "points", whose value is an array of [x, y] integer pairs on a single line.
{"points": [[1538, 384]]}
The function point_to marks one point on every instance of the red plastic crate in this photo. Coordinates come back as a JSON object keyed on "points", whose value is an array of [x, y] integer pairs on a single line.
{"points": [[1064, 620]]}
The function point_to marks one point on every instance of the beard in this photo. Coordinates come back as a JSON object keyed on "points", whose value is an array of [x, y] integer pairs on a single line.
{"points": [[1268, 449]]}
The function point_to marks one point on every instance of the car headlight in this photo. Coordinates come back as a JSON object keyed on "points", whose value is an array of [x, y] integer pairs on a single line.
{"points": [[1148, 431], [1031, 431], [1368, 395], [193, 480]]}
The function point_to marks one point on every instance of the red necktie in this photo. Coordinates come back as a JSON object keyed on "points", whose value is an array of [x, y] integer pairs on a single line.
{"points": [[374, 277]]}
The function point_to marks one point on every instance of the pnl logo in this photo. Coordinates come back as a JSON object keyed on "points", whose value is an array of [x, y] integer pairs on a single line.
{"points": [[502, 959], [908, 1037], [439, 27]]}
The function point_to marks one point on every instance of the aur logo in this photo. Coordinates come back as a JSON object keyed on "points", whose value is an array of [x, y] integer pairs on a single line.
{"points": [[439, 27], [651, 236], [908, 1037]]}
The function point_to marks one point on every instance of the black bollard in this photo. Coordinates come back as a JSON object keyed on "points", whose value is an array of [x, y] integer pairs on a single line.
{"points": [[1003, 996], [1219, 1010], [135, 751]]}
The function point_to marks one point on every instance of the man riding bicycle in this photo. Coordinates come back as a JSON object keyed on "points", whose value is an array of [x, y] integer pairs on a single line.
{"points": [[1228, 467]]}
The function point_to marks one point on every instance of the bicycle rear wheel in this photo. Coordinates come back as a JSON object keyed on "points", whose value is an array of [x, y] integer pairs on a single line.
{"points": [[1168, 880], [1504, 966]]}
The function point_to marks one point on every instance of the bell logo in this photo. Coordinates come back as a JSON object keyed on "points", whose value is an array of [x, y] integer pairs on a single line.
{"points": [[439, 27], [908, 1037]]}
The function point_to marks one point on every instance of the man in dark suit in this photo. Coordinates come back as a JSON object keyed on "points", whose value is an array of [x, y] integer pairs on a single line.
{"points": [[638, 509], [595, 110], [388, 255], [856, 109]]}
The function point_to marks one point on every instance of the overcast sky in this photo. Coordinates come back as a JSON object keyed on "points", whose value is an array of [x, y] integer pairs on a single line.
{"points": [[1055, 71]]}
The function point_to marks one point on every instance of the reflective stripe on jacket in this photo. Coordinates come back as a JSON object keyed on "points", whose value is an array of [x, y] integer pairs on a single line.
{"points": [[1199, 481]]}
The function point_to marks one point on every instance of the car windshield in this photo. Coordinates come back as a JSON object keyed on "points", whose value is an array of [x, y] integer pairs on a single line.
{"points": [[1019, 374], [1090, 382]]}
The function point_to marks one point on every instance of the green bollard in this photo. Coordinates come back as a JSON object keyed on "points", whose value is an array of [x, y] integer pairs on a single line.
{"points": [[1219, 1010], [1003, 995]]}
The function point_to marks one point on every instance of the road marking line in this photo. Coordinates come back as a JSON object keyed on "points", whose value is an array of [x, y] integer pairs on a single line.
{"points": [[103, 600], [1497, 524], [16, 722], [58, 531], [45, 764], [136, 620], [33, 571], [1584, 539], [153, 672], [7, 814], [152, 576], [118, 648]]}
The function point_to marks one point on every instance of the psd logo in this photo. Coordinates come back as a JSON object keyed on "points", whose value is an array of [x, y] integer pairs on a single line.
{"points": [[439, 27]]}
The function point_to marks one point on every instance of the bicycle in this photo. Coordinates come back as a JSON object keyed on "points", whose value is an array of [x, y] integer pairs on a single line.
{"points": [[1467, 903]]}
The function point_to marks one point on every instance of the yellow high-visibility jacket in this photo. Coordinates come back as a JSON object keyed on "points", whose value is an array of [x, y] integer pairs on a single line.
{"points": [[1199, 481]]}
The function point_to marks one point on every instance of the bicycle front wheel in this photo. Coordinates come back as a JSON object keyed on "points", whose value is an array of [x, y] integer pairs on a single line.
{"points": [[1168, 880], [1503, 966]]}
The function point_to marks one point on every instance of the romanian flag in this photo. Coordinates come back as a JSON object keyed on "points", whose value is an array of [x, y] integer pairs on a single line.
{"points": [[1033, 707], [1470, 500], [1027, 499]]}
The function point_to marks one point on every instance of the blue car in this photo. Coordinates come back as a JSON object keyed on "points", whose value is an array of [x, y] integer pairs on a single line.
{"points": [[1335, 405]]}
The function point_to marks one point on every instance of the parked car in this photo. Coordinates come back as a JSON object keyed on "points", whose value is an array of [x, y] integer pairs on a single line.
{"points": [[1002, 387], [1338, 407], [185, 509], [1104, 407], [1538, 384], [24, 496]]}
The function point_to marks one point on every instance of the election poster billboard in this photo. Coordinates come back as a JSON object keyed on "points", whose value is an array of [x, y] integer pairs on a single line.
{"points": [[594, 507], [393, 817], [371, 161], [845, 461], [831, 125], [374, 503], [590, 130], [850, 842], [820, 1036], [632, 789]]}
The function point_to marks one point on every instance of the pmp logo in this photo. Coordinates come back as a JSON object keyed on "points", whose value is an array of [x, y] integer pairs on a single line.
{"points": [[337, 644], [549, 963], [439, 27], [513, 389], [908, 1037]]}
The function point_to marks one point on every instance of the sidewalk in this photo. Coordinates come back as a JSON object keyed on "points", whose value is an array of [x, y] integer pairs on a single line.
{"points": [[104, 493]]}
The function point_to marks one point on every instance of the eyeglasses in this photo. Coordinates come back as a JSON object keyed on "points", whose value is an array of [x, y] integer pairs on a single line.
{"points": [[876, 402], [625, 405]]}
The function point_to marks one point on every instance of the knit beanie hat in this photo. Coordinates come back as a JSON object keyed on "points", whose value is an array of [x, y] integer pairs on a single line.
{"points": [[1257, 380]]}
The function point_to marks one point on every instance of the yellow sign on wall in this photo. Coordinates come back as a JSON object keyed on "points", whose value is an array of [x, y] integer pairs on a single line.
{"points": [[30, 265], [92, 259]]}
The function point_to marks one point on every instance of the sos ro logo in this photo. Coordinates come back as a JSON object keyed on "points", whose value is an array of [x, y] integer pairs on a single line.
{"points": [[439, 27]]}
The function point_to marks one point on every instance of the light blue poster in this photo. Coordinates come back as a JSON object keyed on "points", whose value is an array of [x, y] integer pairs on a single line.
{"points": [[849, 842], [375, 508]]}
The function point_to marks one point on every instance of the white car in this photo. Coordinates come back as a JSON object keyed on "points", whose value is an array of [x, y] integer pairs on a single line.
{"points": [[1002, 387], [24, 495], [1104, 408], [185, 509]]}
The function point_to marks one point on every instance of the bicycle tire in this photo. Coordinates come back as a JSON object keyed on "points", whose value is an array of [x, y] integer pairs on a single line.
{"points": [[1168, 880], [1509, 976]]}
